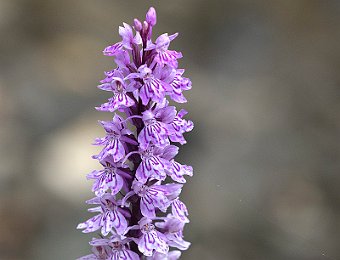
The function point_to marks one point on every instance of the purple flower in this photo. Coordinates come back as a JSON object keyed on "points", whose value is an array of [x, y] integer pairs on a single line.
{"points": [[165, 114], [129, 39], [115, 83], [172, 228], [111, 217], [152, 165], [180, 126], [163, 55], [154, 132], [155, 196], [151, 239], [152, 197], [175, 170], [179, 84], [109, 178], [117, 134], [152, 87], [161, 123]]}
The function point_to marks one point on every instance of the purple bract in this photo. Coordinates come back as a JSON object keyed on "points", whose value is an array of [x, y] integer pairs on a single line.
{"points": [[138, 211]]}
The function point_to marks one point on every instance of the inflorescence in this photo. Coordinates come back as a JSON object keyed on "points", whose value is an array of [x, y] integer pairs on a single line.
{"points": [[138, 211]]}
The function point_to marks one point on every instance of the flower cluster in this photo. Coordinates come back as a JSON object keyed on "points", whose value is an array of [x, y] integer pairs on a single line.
{"points": [[138, 211]]}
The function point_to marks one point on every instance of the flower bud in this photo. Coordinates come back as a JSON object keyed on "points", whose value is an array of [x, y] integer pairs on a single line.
{"points": [[151, 16], [138, 25], [145, 26]]}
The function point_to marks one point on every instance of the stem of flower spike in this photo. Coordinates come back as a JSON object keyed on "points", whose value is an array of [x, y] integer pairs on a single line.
{"points": [[136, 214]]}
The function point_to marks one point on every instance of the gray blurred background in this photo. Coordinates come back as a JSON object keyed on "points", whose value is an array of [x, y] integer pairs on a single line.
{"points": [[265, 102]]}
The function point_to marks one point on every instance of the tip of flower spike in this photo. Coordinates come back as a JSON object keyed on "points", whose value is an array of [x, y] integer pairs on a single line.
{"points": [[151, 18]]}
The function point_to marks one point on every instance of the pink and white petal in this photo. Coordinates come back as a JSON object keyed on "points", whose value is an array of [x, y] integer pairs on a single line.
{"points": [[141, 174], [146, 244], [116, 185], [112, 50], [176, 240], [94, 174], [128, 255], [123, 100], [90, 225], [119, 222], [170, 152], [106, 86], [178, 97], [179, 210], [106, 224], [162, 246], [144, 95], [147, 208], [117, 150]]}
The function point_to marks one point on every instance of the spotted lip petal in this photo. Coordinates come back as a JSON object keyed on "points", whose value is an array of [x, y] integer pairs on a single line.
{"points": [[153, 88], [115, 141], [180, 211], [163, 55], [114, 148], [113, 219], [179, 84], [115, 83], [111, 216], [152, 167], [152, 241], [152, 197], [179, 126], [118, 101], [106, 179], [177, 171], [155, 133]]}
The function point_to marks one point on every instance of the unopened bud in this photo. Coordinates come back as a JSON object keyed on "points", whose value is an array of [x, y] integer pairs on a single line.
{"points": [[138, 25], [145, 26], [151, 16]]}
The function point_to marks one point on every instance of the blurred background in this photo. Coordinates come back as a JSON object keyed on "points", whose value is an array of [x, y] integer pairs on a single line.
{"points": [[265, 102]]}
